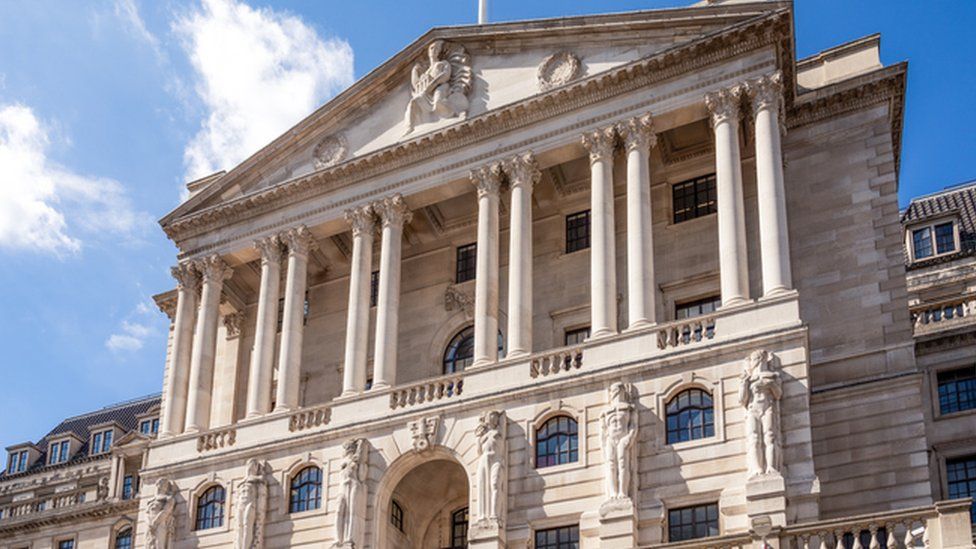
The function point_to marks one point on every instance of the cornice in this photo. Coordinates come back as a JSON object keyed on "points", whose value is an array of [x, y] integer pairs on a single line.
{"points": [[53, 517], [755, 33]]}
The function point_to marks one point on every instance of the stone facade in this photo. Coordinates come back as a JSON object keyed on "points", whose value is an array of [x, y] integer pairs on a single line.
{"points": [[720, 346]]}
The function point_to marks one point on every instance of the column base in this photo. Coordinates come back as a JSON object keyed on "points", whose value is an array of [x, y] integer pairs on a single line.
{"points": [[487, 534], [482, 362], [618, 524], [602, 333], [517, 353], [379, 385], [639, 325], [735, 302], [777, 293]]}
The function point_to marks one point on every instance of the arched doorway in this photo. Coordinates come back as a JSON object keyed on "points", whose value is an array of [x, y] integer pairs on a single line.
{"points": [[426, 507]]}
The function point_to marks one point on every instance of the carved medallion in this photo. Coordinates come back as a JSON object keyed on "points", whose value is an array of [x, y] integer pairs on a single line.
{"points": [[424, 432], [330, 151], [558, 69]]}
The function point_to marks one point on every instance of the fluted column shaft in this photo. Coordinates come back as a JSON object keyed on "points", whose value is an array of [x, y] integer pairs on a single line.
{"points": [[262, 355], [603, 269], [638, 137], [213, 272], [393, 213], [177, 383], [733, 264], [523, 173], [766, 94], [357, 314], [300, 243], [487, 181]]}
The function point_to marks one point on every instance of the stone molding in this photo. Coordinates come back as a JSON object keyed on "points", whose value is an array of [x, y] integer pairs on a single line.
{"points": [[522, 170], [723, 105], [638, 132], [766, 91], [392, 210], [361, 219], [186, 276], [270, 248], [212, 269], [487, 180], [600, 143], [299, 241]]}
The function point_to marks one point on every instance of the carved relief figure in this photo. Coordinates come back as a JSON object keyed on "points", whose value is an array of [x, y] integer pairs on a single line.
{"points": [[440, 86], [424, 431], [352, 491], [618, 429], [160, 515], [251, 507], [491, 466], [760, 388]]}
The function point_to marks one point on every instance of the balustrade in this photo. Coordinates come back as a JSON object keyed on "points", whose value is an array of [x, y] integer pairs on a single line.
{"points": [[427, 391], [930, 317], [309, 418], [216, 439], [685, 332], [554, 362]]}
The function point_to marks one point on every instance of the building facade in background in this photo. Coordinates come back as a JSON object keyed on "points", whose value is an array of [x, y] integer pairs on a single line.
{"points": [[602, 281]]}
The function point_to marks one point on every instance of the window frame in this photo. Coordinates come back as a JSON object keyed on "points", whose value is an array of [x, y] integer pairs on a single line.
{"points": [[397, 515], [930, 227], [68, 539], [958, 454], [537, 531], [692, 506], [710, 299], [455, 523], [118, 533], [937, 413], [536, 446], [568, 332], [64, 452], [704, 425], [98, 441], [712, 209], [292, 477], [473, 268], [971, 368], [583, 242], [374, 288], [198, 503], [715, 387]]}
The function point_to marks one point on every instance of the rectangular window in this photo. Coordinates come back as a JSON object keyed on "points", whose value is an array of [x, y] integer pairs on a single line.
{"points": [[576, 335], [58, 452], [945, 238], [155, 425], [96, 443], [281, 312], [106, 441], [693, 198], [18, 462], [467, 257], [22, 461], [374, 288], [922, 243], [145, 427], [957, 390], [563, 537], [698, 307], [396, 515], [577, 231], [961, 478], [697, 521], [127, 487], [66, 544], [101, 442]]}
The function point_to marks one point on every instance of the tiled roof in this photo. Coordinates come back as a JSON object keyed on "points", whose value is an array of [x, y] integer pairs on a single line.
{"points": [[959, 200], [125, 414]]}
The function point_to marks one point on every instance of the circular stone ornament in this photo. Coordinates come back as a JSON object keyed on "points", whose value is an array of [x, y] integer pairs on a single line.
{"points": [[558, 69], [330, 151]]}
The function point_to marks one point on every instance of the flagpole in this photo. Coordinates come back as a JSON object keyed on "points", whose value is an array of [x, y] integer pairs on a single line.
{"points": [[482, 12]]}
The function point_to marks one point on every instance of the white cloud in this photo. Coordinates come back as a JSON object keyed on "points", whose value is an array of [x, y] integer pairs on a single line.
{"points": [[47, 208], [258, 72], [131, 337], [128, 12]]}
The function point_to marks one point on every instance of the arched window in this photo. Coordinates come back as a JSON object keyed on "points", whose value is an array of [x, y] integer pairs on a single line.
{"points": [[306, 490], [210, 508], [690, 416], [459, 528], [123, 539], [460, 351], [557, 442]]}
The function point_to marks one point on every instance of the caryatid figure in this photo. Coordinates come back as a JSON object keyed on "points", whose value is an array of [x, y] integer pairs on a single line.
{"points": [[760, 388], [352, 487], [251, 507], [491, 465], [159, 531], [618, 430]]}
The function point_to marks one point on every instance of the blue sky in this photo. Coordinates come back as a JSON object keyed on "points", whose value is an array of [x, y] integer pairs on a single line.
{"points": [[107, 107]]}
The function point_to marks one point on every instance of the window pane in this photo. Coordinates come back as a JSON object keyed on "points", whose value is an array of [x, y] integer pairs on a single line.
{"points": [[689, 416], [123, 540], [563, 537], [693, 198], [374, 288], [577, 231], [306, 490], [210, 508], [922, 243], [466, 262], [961, 477], [557, 442], [576, 336], [693, 522], [698, 307], [945, 240], [957, 390]]}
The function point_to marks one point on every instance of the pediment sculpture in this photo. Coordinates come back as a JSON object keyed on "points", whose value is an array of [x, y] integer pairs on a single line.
{"points": [[439, 85]]}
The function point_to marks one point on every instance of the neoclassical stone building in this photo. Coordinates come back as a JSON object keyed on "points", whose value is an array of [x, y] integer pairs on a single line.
{"points": [[602, 281]]}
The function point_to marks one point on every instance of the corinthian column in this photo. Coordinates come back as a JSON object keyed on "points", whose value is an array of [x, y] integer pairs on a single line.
{"points": [[213, 271], [187, 282], [638, 137], [393, 213], [300, 243], [357, 314], [766, 93], [603, 270], [262, 355], [733, 266], [487, 180], [523, 173]]}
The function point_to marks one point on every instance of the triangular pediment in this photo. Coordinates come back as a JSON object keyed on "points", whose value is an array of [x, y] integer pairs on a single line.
{"points": [[457, 73]]}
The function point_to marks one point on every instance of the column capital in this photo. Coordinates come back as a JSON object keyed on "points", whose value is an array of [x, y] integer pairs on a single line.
{"points": [[766, 91], [270, 248], [186, 275], [600, 143], [723, 104], [393, 210], [213, 269], [638, 132], [487, 179], [523, 170], [299, 240], [233, 322], [361, 219]]}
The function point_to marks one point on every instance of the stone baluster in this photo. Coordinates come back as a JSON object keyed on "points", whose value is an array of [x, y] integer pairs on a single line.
{"points": [[177, 383], [892, 541], [362, 222], [213, 272], [300, 243], [487, 181], [733, 265], [523, 173], [393, 214], [262, 354], [603, 271]]}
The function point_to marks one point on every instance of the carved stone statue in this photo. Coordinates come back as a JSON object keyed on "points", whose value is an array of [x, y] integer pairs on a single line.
{"points": [[101, 491], [618, 430], [252, 504], [492, 450], [160, 524], [352, 493], [440, 85], [760, 388]]}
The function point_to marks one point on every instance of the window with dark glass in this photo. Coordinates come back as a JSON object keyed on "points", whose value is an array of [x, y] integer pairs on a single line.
{"points": [[396, 515], [467, 257], [59, 452], [693, 198], [922, 243], [101, 442], [577, 231], [127, 487], [149, 426], [460, 351], [66, 544], [123, 539], [459, 528], [576, 335], [690, 416], [697, 521], [961, 477], [557, 442], [562, 537], [210, 509], [945, 238], [374, 288], [698, 307], [18, 462], [306, 490], [957, 390]]}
